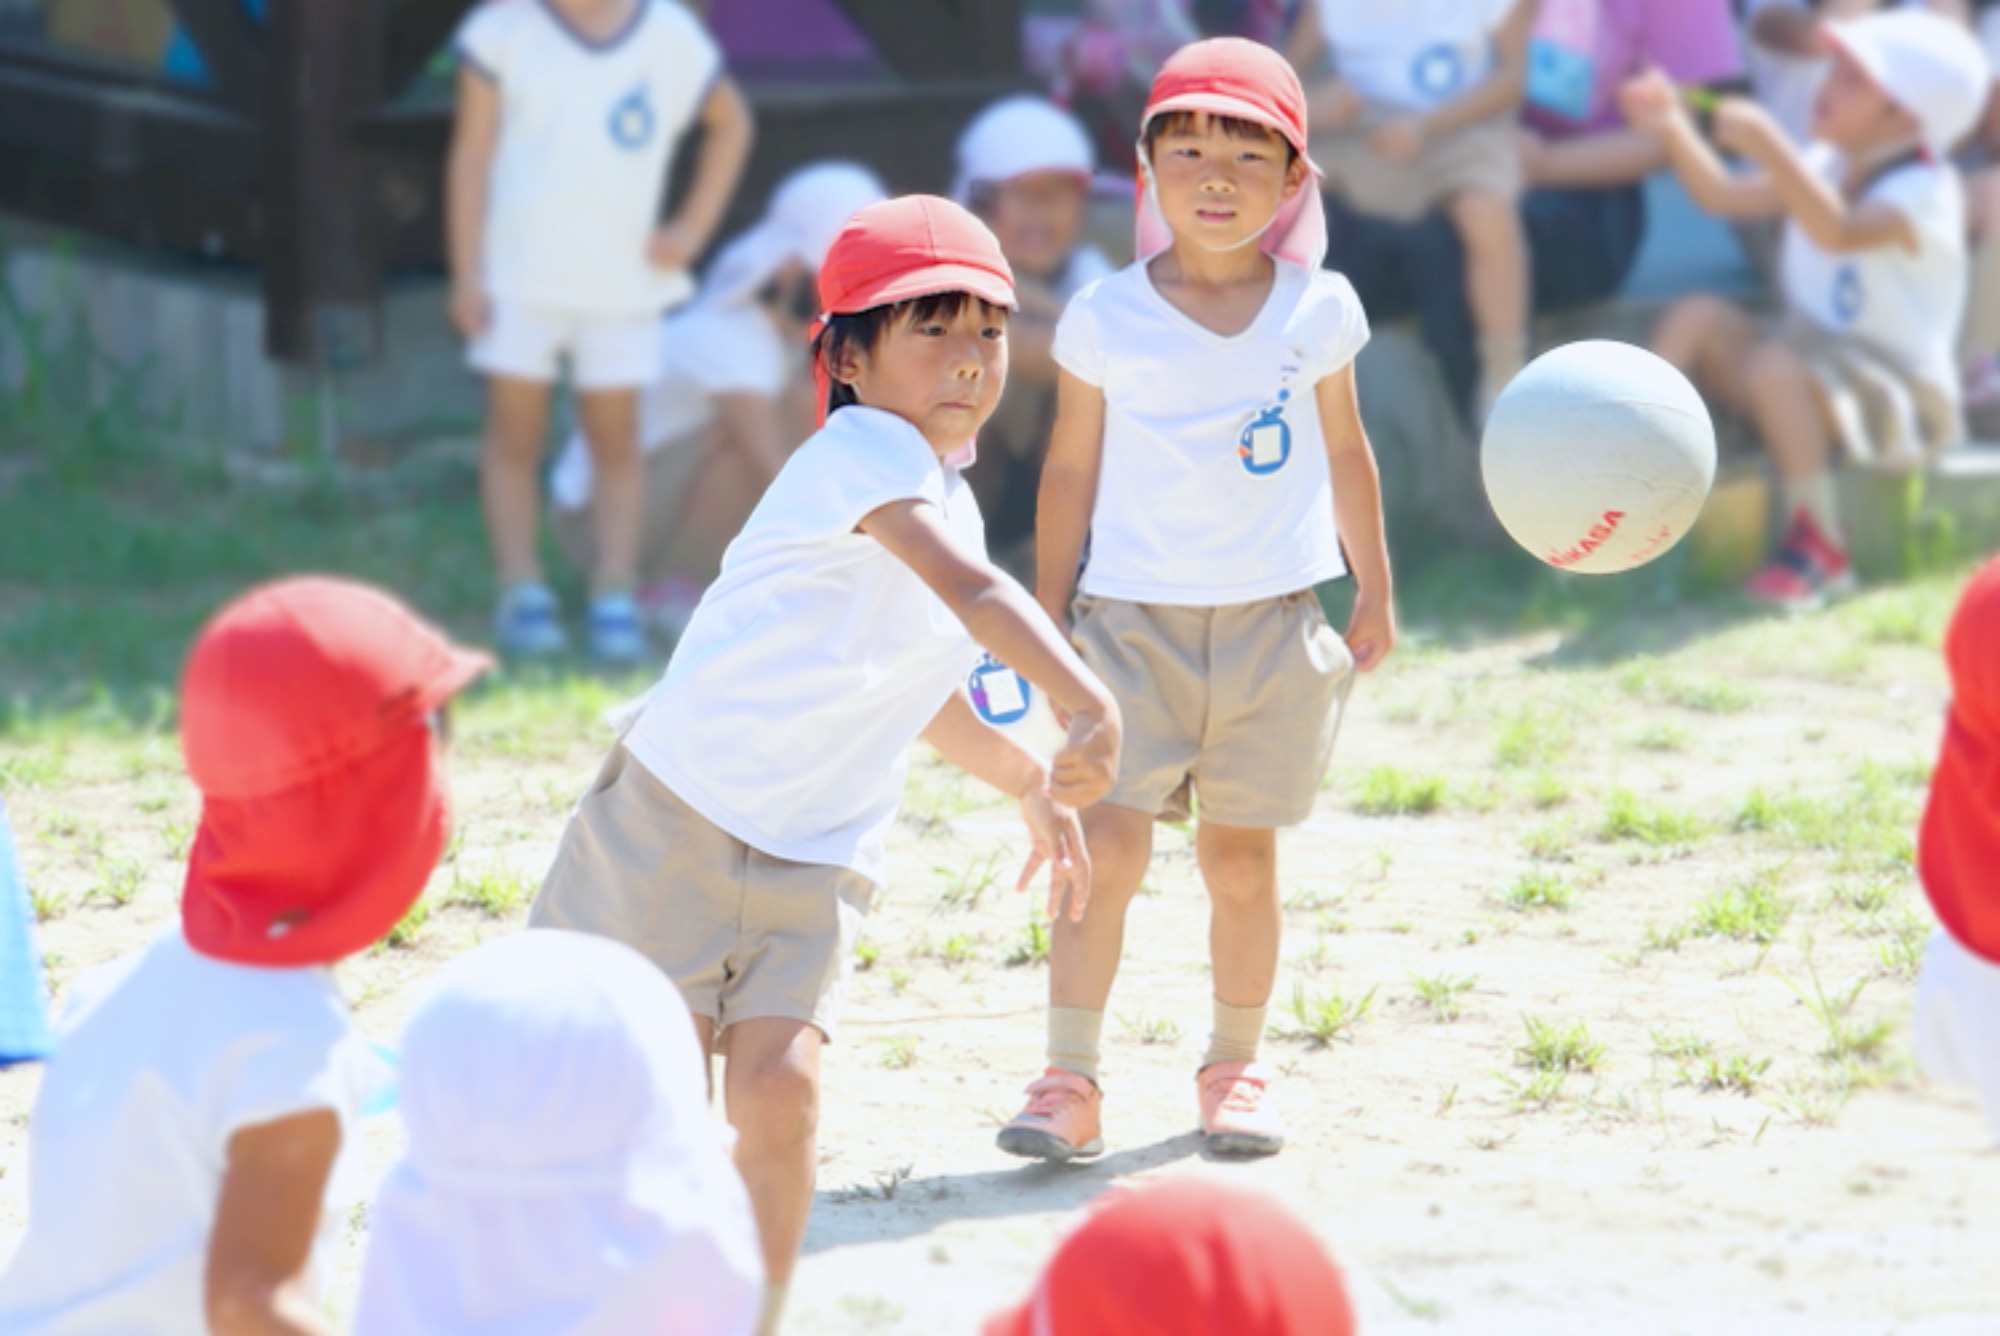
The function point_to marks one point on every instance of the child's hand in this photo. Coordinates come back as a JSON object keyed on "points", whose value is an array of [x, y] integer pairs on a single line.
{"points": [[1087, 766], [1058, 837], [1649, 101], [1745, 129], [1371, 631], [471, 312], [1399, 140], [673, 246]]}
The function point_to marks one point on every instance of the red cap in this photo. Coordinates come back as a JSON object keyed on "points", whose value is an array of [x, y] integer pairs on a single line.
{"points": [[914, 246], [1232, 76], [303, 715], [1187, 1258], [1959, 849]]}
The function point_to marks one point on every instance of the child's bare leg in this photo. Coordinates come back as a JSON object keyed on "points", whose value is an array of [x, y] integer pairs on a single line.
{"points": [[1982, 311], [510, 490], [1496, 278], [1792, 420], [1709, 340], [610, 422], [771, 1082], [1239, 865], [1083, 957]]}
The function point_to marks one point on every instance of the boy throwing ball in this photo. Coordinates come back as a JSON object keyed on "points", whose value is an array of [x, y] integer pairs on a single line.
{"points": [[1209, 442]]}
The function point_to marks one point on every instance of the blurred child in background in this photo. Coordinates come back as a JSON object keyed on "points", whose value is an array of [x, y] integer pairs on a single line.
{"points": [[731, 396], [563, 1175], [1025, 167], [1417, 115], [24, 1003], [1187, 1258], [1958, 989], [1874, 273], [184, 1145], [568, 115]]}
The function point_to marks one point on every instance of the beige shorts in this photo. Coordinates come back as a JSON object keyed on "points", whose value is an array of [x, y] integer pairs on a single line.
{"points": [[1479, 159], [1237, 706], [1883, 416], [742, 934], [671, 471]]}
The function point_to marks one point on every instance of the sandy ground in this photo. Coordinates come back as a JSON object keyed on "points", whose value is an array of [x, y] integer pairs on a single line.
{"points": [[1838, 1194]]}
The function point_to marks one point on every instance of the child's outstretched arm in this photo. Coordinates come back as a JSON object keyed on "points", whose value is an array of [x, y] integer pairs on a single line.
{"points": [[265, 1224], [984, 752], [1652, 104], [1003, 619], [727, 131], [1357, 514], [1068, 494], [1499, 93], [475, 130], [1833, 222]]}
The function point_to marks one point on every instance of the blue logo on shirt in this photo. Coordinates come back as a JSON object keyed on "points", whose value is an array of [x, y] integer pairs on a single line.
{"points": [[1847, 294], [1438, 71], [632, 120], [1000, 694], [1266, 443]]}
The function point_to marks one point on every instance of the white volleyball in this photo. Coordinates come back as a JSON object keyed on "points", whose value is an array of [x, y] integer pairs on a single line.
{"points": [[1598, 457]]}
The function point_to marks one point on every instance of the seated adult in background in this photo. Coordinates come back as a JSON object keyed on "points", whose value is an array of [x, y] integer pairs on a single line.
{"points": [[1415, 115], [1024, 166], [733, 396]]}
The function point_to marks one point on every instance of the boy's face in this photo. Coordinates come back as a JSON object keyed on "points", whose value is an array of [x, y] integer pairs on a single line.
{"points": [[943, 375], [1219, 191], [1037, 219], [1853, 114]]}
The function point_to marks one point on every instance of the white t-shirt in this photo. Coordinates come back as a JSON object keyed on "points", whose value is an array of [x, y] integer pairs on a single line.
{"points": [[162, 1057], [1411, 53], [587, 137], [1907, 306], [705, 351], [1085, 265], [1214, 487], [816, 658]]}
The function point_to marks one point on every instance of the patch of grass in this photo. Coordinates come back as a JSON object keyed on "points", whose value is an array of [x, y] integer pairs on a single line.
{"points": [[179, 838], [958, 949], [1866, 823], [1848, 1041], [1903, 953], [1656, 938], [1730, 1072], [409, 929], [1387, 791], [46, 903], [963, 886], [1032, 946], [118, 882], [1551, 1048], [899, 1052], [1817, 1103], [1532, 737], [1750, 911], [1538, 1091], [865, 955], [1869, 895], [1680, 1047], [1551, 842], [1547, 789], [494, 892], [1151, 1030], [1662, 738], [1440, 992], [1321, 1019], [1660, 825], [1540, 890], [1649, 679], [1912, 616]]}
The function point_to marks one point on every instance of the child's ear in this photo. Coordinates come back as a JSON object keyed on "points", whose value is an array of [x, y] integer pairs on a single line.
{"points": [[1296, 175], [844, 364]]}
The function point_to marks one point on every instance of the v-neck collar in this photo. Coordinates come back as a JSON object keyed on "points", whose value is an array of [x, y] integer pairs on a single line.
{"points": [[1279, 279], [595, 45]]}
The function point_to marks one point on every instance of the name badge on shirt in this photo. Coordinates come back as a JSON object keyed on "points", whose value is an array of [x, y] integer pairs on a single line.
{"points": [[1848, 294], [1266, 443], [1562, 58], [1438, 71], [1000, 694], [632, 120]]}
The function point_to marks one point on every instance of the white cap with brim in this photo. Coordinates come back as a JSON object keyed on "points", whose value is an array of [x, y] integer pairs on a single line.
{"points": [[1926, 64], [806, 213], [1021, 136]]}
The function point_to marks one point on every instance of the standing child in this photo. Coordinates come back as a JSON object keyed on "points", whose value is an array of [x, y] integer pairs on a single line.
{"points": [[736, 832], [1417, 116], [568, 114], [1958, 990], [1209, 444], [204, 1090], [1873, 267]]}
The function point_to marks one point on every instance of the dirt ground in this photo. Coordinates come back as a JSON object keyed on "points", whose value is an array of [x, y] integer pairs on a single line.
{"points": [[1695, 845]]}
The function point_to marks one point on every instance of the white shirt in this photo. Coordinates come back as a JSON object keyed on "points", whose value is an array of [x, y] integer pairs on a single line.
{"points": [[705, 351], [1907, 307], [162, 1057], [1411, 53], [816, 658], [587, 137], [1214, 487]]}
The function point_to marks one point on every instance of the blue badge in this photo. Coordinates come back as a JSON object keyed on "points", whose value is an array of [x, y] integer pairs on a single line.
{"points": [[1847, 294], [632, 120], [1267, 442], [1560, 79], [1000, 694], [1438, 71]]}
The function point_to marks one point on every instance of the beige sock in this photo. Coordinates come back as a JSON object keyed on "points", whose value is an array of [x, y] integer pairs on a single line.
{"points": [[1500, 360], [1238, 1031], [1982, 308], [1074, 1034], [773, 1314], [1818, 497]]}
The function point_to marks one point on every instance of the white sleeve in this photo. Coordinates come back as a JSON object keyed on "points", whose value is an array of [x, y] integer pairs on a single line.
{"points": [[693, 64], [1338, 323], [1924, 195], [1078, 347], [485, 40], [300, 1059], [849, 470]]}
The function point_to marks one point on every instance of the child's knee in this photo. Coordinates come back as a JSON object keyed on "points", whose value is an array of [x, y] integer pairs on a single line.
{"points": [[1241, 870], [778, 1093], [1773, 366], [1485, 220]]}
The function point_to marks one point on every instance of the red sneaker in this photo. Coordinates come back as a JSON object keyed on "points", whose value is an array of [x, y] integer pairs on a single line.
{"points": [[1808, 570], [1060, 1122]]}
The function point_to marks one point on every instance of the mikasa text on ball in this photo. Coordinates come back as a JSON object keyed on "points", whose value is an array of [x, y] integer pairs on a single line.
{"points": [[1598, 457]]}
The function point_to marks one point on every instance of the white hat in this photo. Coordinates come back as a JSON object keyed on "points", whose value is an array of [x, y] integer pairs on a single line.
{"points": [[1019, 136], [1928, 65], [564, 1173], [806, 213]]}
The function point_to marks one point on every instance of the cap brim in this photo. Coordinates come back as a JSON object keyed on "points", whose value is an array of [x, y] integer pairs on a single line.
{"points": [[932, 281], [459, 672], [1222, 104], [1864, 54]]}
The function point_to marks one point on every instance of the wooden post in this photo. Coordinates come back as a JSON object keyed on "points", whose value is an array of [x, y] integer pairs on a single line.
{"points": [[322, 231]]}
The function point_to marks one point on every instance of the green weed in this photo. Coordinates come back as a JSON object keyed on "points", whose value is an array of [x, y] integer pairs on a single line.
{"points": [[1532, 737], [1540, 890], [1387, 791], [1751, 911], [1032, 946], [899, 1052], [963, 886], [118, 883], [1440, 992], [494, 892], [1680, 1047], [1322, 1019], [1558, 1049], [409, 930], [1151, 1030], [1628, 817], [1662, 738]]}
